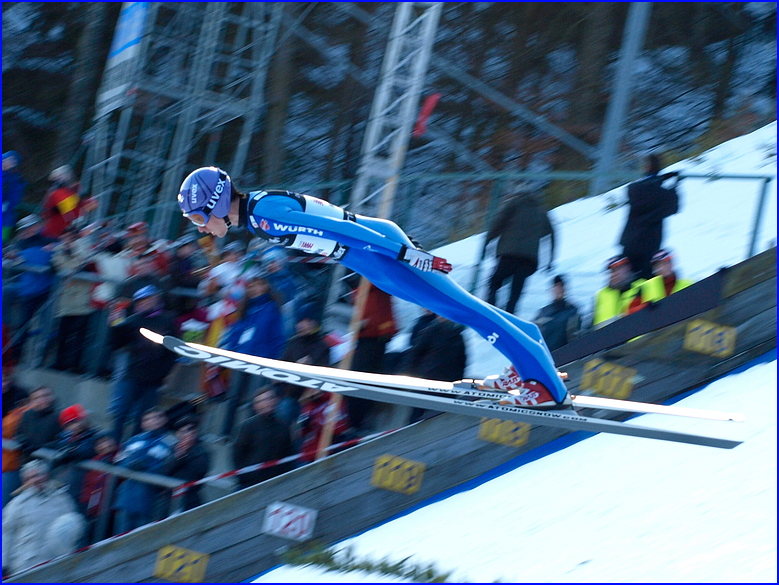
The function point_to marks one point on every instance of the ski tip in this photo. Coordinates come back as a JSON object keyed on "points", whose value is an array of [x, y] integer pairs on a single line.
{"points": [[151, 335]]}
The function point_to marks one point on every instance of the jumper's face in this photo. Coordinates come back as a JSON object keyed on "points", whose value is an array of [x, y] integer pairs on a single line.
{"points": [[216, 226]]}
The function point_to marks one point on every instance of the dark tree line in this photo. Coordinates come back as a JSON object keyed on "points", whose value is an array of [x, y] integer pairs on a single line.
{"points": [[707, 73]]}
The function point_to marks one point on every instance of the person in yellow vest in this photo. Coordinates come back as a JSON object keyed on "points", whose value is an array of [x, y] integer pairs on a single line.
{"points": [[663, 283], [612, 301]]}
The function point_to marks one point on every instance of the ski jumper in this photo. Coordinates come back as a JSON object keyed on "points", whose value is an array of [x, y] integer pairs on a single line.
{"points": [[372, 247]]}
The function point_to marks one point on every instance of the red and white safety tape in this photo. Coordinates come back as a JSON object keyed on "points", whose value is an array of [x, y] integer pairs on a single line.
{"points": [[181, 489]]}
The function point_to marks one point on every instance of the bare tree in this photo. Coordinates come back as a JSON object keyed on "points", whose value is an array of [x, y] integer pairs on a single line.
{"points": [[88, 68], [280, 79]]}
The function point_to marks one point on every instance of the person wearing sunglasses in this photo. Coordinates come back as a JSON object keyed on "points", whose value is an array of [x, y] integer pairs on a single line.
{"points": [[381, 252]]}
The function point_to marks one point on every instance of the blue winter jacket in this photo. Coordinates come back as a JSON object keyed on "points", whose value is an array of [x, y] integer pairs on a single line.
{"points": [[287, 285], [260, 332], [13, 192], [152, 452], [35, 254]]}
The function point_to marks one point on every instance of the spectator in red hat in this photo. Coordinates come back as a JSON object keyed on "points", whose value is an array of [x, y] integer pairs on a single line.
{"points": [[75, 444], [613, 300]]}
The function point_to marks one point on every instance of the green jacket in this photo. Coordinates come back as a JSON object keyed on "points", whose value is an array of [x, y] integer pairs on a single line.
{"points": [[613, 303]]}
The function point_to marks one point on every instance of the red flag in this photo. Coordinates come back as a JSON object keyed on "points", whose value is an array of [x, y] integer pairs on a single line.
{"points": [[424, 114]]}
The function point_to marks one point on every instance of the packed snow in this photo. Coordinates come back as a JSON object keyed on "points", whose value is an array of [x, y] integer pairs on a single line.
{"points": [[612, 508]]}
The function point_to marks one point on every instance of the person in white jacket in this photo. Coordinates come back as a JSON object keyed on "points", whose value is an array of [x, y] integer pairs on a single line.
{"points": [[40, 522]]}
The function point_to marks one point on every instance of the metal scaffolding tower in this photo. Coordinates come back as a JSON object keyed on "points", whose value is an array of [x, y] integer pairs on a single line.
{"points": [[180, 75], [393, 113], [394, 107]]}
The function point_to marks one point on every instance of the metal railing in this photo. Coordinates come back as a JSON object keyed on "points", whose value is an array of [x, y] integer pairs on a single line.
{"points": [[114, 472]]}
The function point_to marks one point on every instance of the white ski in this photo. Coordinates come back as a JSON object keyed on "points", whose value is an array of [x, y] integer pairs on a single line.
{"points": [[363, 385]]}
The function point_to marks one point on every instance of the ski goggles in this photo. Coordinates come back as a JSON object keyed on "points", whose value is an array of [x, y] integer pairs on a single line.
{"points": [[200, 217]]}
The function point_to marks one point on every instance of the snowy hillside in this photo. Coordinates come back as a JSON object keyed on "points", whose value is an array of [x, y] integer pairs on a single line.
{"points": [[713, 229]]}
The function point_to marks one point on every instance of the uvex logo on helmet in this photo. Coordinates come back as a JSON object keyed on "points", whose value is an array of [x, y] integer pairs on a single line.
{"points": [[218, 190]]}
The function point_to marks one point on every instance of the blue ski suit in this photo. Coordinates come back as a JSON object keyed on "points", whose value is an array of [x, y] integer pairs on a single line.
{"points": [[372, 247]]}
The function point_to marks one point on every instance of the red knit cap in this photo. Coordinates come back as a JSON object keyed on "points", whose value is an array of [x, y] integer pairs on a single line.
{"points": [[71, 413]]}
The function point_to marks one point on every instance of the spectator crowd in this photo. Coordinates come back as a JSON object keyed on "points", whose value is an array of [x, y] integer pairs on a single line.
{"points": [[99, 284]]}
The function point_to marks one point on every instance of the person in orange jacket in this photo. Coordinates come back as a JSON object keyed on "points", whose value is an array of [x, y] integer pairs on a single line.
{"points": [[16, 403], [377, 329]]}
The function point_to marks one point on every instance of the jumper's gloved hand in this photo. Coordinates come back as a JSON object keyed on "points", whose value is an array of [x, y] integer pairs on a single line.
{"points": [[424, 261]]}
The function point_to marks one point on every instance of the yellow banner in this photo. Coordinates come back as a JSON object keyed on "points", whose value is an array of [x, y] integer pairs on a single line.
{"points": [[504, 432], [68, 204], [608, 379], [397, 474], [181, 565], [710, 339]]}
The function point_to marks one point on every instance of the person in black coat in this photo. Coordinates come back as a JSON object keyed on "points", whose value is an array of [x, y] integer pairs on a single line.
{"points": [[192, 459], [650, 203], [149, 363], [39, 426], [308, 346], [262, 438], [559, 321], [520, 225], [437, 353]]}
